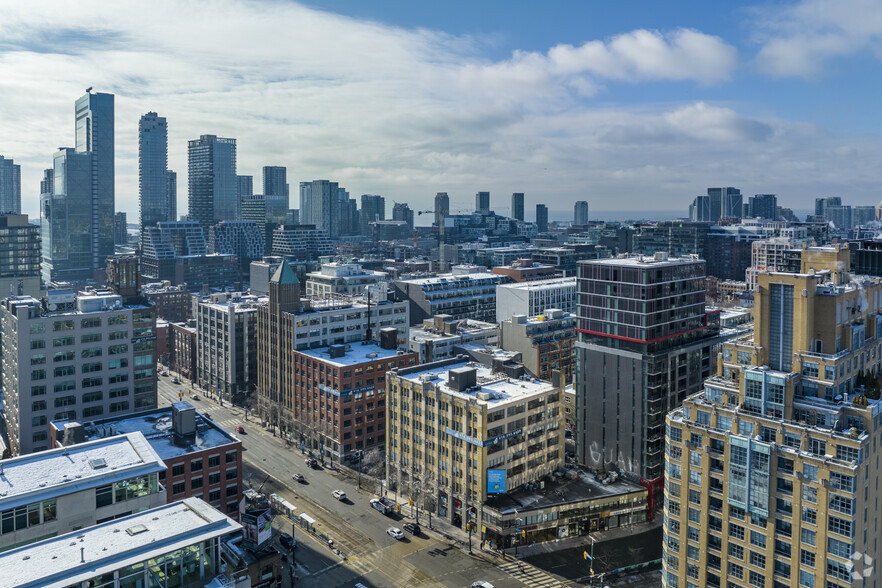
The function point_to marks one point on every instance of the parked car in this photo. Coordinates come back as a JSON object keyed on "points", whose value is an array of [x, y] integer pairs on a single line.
{"points": [[412, 528], [287, 541], [339, 495], [482, 584], [240, 429], [395, 533]]}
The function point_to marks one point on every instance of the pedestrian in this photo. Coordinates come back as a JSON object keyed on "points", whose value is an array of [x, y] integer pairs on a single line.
{"points": [[482, 546]]}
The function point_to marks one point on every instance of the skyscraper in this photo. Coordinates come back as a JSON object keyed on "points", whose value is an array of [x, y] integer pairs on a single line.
{"points": [[95, 135], [120, 229], [542, 217], [482, 202], [276, 193], [580, 216], [213, 185], [328, 207], [763, 206], [442, 207], [373, 208], [153, 171], [402, 212], [66, 219], [20, 264], [10, 186], [171, 195], [244, 186], [517, 206], [700, 209]]}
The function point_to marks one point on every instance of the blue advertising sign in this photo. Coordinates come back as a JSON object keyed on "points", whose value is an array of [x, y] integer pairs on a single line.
{"points": [[495, 481]]}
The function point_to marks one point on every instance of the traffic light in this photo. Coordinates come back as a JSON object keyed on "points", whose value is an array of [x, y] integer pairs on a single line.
{"points": [[410, 502], [397, 508]]}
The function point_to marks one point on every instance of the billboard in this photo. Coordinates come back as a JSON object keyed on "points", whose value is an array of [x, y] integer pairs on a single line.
{"points": [[257, 526], [495, 481]]}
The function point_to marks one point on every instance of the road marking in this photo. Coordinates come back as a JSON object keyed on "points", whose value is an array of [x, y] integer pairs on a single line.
{"points": [[529, 574]]}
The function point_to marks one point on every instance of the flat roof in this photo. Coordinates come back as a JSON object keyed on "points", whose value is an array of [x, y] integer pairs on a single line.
{"points": [[156, 427], [80, 555], [56, 472], [455, 278], [502, 388], [643, 261], [355, 354], [541, 284]]}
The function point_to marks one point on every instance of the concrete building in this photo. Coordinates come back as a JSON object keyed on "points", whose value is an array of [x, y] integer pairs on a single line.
{"points": [[153, 179], [646, 342], [349, 413], [439, 335], [120, 229], [373, 208], [533, 298], [226, 345], [770, 458], [276, 193], [546, 342], [289, 322], [171, 194], [244, 186], [767, 256], [178, 542], [458, 432], [461, 294], [402, 212], [10, 186], [565, 259], [763, 206], [517, 206], [244, 239], [57, 491], [212, 182], [482, 202], [20, 265], [342, 278], [199, 459], [320, 206], [525, 270], [541, 218], [172, 303], [304, 242], [73, 356], [177, 252], [580, 213]]}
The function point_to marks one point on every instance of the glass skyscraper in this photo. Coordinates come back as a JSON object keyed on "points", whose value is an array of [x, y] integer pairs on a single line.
{"points": [[275, 191], [213, 184], [153, 171], [10, 186]]}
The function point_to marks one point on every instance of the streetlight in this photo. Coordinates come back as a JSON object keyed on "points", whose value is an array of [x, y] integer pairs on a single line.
{"points": [[517, 533]]}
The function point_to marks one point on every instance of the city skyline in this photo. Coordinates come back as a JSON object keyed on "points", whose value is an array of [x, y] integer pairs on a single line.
{"points": [[623, 109]]}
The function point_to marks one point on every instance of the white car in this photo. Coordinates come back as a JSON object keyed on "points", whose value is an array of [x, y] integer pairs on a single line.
{"points": [[339, 495], [395, 532]]}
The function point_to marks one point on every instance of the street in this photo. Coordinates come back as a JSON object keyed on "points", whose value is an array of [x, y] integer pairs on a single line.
{"points": [[367, 553]]}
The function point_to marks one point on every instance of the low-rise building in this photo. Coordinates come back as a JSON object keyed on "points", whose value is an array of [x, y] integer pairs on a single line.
{"points": [[172, 303], [341, 278], [340, 395], [463, 294], [533, 298], [546, 342], [438, 336], [459, 432], [201, 459], [178, 542], [525, 270], [184, 354], [57, 491]]}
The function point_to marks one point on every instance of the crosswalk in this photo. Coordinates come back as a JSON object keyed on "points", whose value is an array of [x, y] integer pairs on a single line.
{"points": [[529, 575]]}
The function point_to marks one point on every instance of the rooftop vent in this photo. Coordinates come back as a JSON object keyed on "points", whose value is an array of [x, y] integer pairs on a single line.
{"points": [[136, 529], [98, 463]]}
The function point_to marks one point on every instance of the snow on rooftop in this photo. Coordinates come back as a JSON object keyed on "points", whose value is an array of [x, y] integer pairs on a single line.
{"points": [[111, 546], [355, 353], [541, 284], [455, 278], [502, 388], [55, 472]]}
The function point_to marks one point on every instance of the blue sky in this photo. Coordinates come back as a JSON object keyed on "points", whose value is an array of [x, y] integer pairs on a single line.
{"points": [[629, 105]]}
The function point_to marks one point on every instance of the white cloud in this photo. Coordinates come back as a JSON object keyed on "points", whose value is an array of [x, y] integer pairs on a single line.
{"points": [[802, 39], [404, 113]]}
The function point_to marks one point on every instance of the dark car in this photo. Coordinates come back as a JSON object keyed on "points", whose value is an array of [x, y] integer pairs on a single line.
{"points": [[286, 540], [311, 462], [412, 528]]}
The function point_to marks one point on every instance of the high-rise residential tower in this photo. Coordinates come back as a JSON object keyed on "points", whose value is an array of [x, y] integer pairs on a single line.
{"points": [[373, 208], [517, 205], [213, 184], [580, 213], [95, 136], [171, 195], [153, 171], [482, 202], [276, 193], [325, 205], [402, 212], [542, 217], [10, 186], [763, 206], [244, 186]]}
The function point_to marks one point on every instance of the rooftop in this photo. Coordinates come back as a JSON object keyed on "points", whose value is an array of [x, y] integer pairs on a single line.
{"points": [[355, 353], [56, 472], [542, 284], [501, 388], [456, 278], [102, 549], [156, 426], [643, 261]]}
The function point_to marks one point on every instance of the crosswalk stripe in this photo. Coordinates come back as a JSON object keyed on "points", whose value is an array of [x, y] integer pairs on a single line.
{"points": [[536, 576]]}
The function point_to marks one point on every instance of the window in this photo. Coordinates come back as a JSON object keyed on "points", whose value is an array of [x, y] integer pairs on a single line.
{"points": [[736, 531], [840, 526], [196, 465], [196, 483], [807, 558], [808, 537], [38, 344], [213, 461], [839, 548], [809, 515], [841, 504], [119, 319], [214, 495], [757, 559], [736, 571], [38, 328], [231, 473], [807, 579], [214, 478], [90, 338], [818, 447], [841, 482], [178, 469], [810, 473], [736, 551], [757, 579], [65, 401], [232, 490], [847, 453], [103, 496], [179, 488], [231, 456], [757, 539], [838, 570]]}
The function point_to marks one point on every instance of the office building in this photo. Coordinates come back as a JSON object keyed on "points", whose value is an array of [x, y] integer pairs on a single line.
{"points": [[244, 186], [172, 303], [120, 229], [73, 357], [254, 209], [342, 278], [61, 490], [564, 259], [541, 218], [580, 213], [771, 457], [546, 342], [153, 174], [517, 206], [646, 342], [677, 238], [212, 181], [454, 426], [482, 202], [179, 543], [700, 209], [226, 345], [20, 265], [276, 193], [10, 186], [763, 206], [821, 205], [289, 323], [402, 212], [373, 208], [351, 381], [463, 294], [437, 337], [533, 298]]}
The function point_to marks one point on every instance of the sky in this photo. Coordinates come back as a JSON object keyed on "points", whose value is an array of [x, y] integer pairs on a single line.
{"points": [[632, 106]]}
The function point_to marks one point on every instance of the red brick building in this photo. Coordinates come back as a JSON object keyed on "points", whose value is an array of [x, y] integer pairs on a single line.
{"points": [[339, 396], [183, 351]]}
